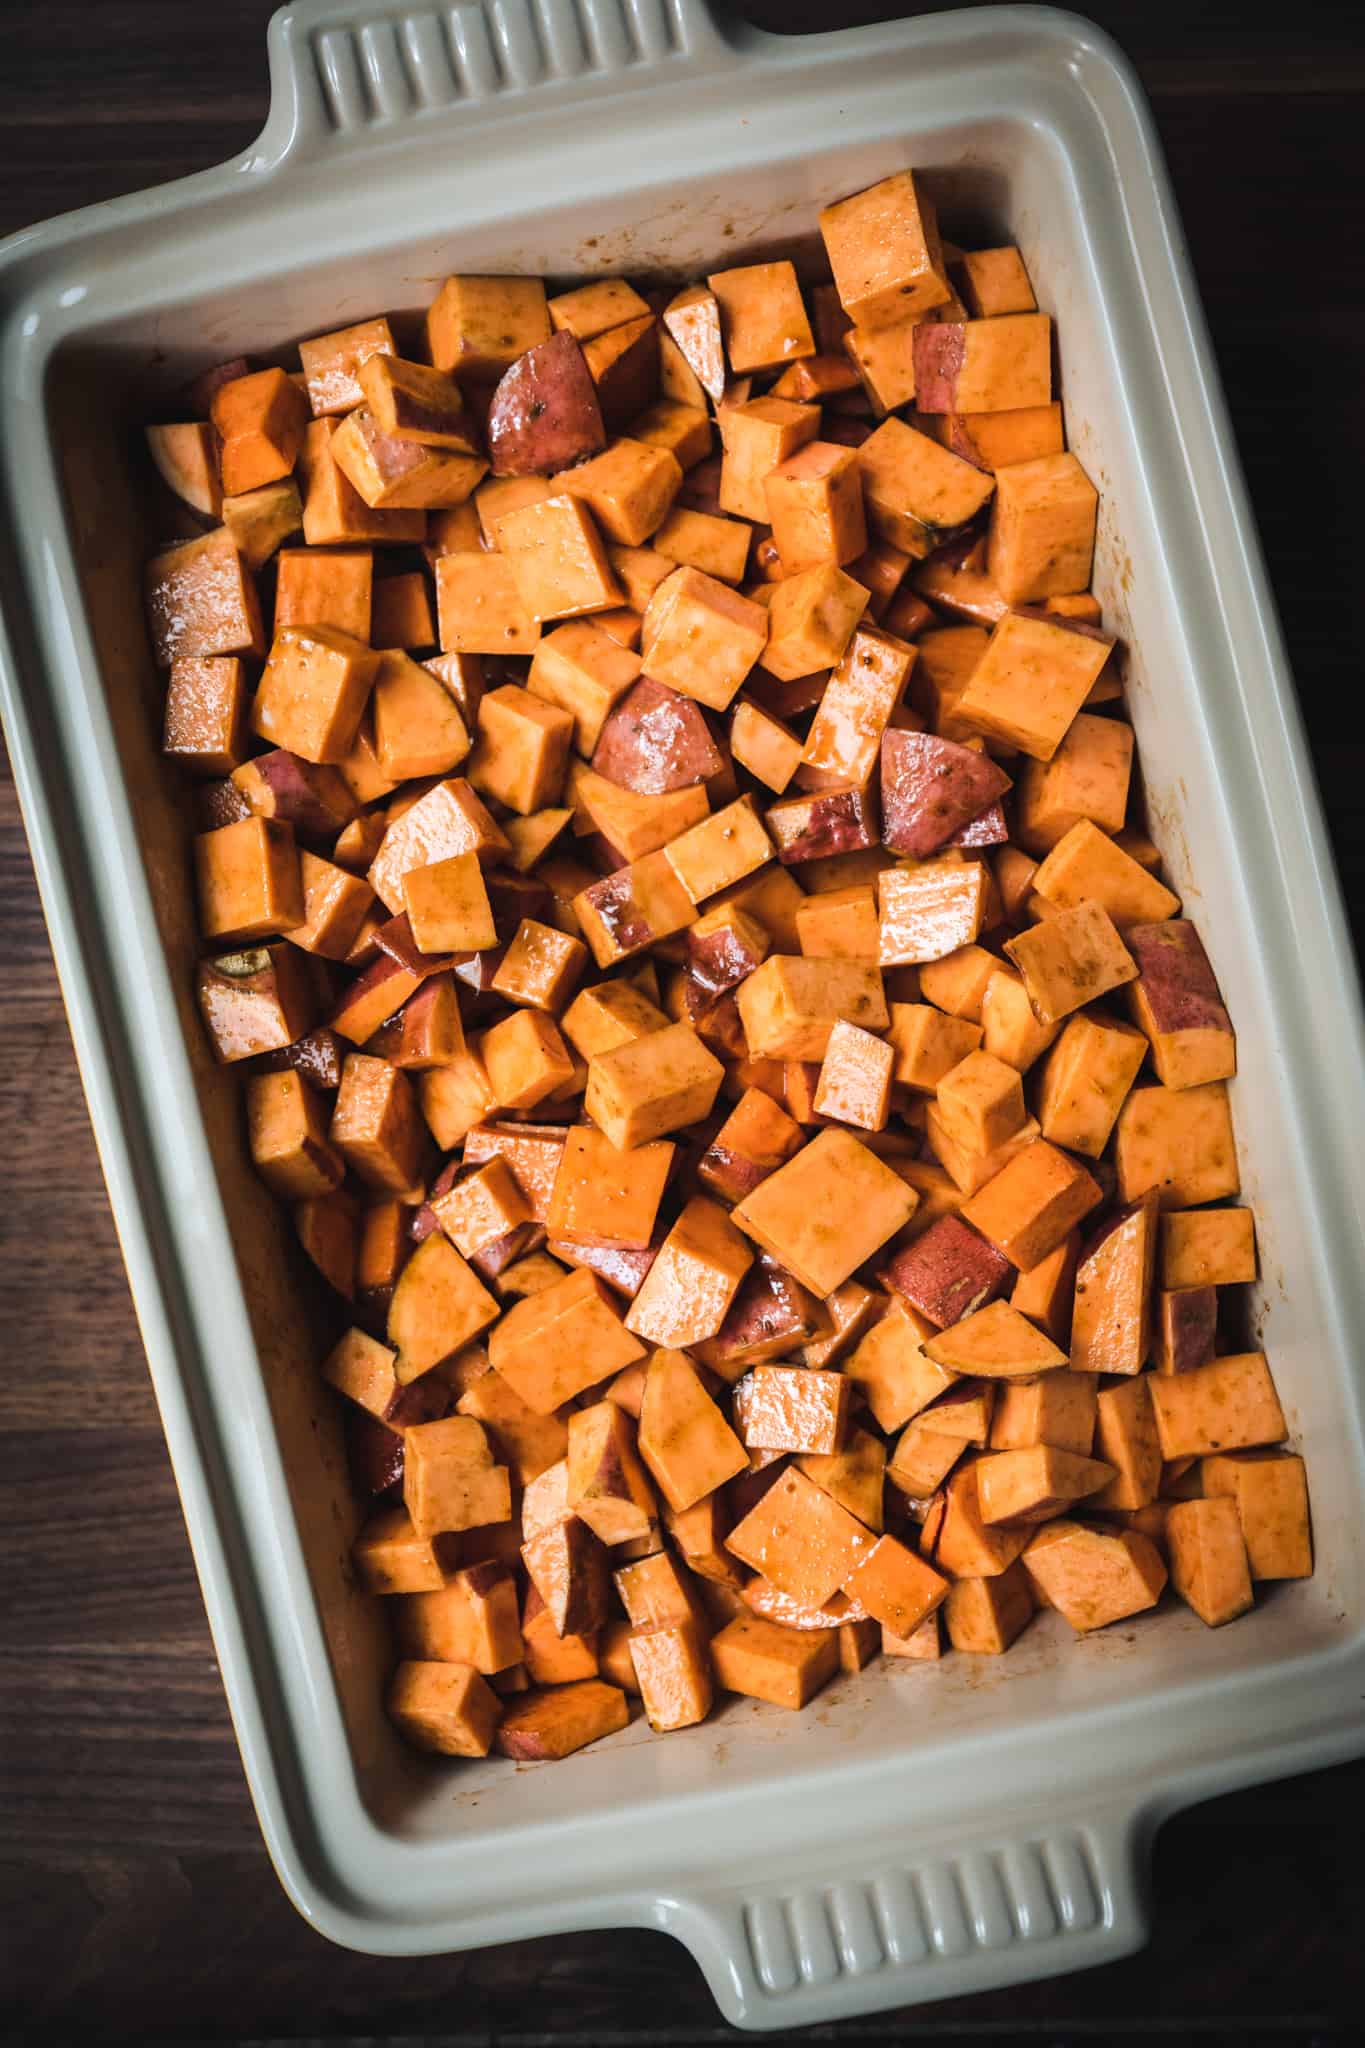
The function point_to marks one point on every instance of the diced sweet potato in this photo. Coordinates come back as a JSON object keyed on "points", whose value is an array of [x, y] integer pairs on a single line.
{"points": [[201, 600], [654, 741], [763, 318], [1178, 1141], [931, 788], [567, 1564], [1185, 1326], [884, 249], [995, 1342], [1111, 1323], [854, 1475], [608, 1487], [673, 1670], [985, 1615], [765, 1661], [1176, 1002], [1033, 1484], [438, 1305], [555, 1723], [789, 1408], [1042, 534], [801, 1539], [983, 365], [445, 1707], [948, 1273], [449, 1478], [891, 1368], [827, 1210], [1086, 1080], [917, 493], [1208, 1556], [1227, 1405], [824, 823], [652, 1085], [967, 1546], [1093, 1577], [556, 1343], [1073, 957], [693, 1281], [897, 1588], [1271, 1494], [1207, 1247], [930, 909]]}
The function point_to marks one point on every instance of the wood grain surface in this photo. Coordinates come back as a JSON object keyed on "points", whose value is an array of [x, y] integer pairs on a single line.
{"points": [[136, 1900]]}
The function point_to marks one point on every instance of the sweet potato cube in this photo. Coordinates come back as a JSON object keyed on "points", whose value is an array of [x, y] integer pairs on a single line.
{"points": [[1030, 682], [637, 823], [1111, 1321], [586, 673], [1033, 1484], [438, 1306], [187, 457], [557, 1342], [529, 1444], [853, 1475], [1176, 1003], [540, 966], [526, 1060], [948, 1272], [801, 1539], [787, 1408], [1028, 1208], [763, 317], [684, 1439], [552, 1658], [1208, 1556], [558, 559], [764, 745], [1126, 1438], [981, 1102], [720, 851], [1207, 1248], [1045, 1293], [756, 1138], [256, 1001], [390, 1557], [624, 364], [479, 608], [927, 1045], [447, 906], [205, 725], [333, 510], [924, 1642], [484, 1207], [811, 619], [1042, 533], [985, 1615], [692, 319], [957, 983], [1057, 1410], [332, 364], [701, 540], [995, 1342], [1178, 1141], [884, 360], [1086, 777], [815, 507], [933, 790], [605, 1196], [652, 1086], [1271, 1494], [608, 1486], [628, 489], [897, 1588], [765, 1661], [553, 1724], [315, 687], [1088, 866], [790, 1006], [567, 1565], [201, 600], [827, 1210], [673, 1670], [1010, 1031], [922, 1459], [694, 1279], [1070, 959], [444, 1707], [1092, 1576], [634, 907], [967, 1546], [610, 1014], [884, 250], [991, 365], [249, 880], [478, 326], [915, 492], [824, 823], [994, 281], [521, 750], [892, 1370], [449, 1478], [326, 587], [965, 1411], [723, 946], [260, 419], [840, 925], [863, 692], [418, 729], [929, 910], [758, 436], [1228, 1405], [1185, 1322], [411, 402], [657, 1592], [375, 1125], [855, 1078], [392, 473], [701, 638], [1086, 1080], [287, 1135]]}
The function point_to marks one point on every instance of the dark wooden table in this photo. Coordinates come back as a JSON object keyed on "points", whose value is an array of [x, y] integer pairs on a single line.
{"points": [[136, 1901]]}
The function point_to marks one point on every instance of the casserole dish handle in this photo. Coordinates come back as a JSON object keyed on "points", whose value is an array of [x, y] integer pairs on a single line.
{"points": [[935, 1920], [347, 78]]}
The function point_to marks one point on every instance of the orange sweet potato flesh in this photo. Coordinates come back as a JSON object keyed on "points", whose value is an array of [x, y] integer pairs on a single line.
{"points": [[706, 1066]]}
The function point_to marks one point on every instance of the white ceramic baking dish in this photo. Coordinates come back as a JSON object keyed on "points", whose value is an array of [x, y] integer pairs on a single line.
{"points": [[920, 1831]]}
